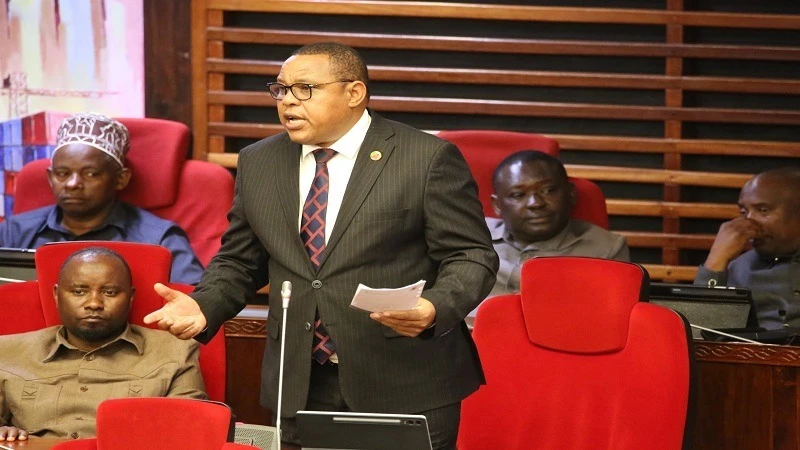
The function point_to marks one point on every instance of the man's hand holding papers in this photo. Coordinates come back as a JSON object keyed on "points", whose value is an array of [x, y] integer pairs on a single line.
{"points": [[401, 309]]}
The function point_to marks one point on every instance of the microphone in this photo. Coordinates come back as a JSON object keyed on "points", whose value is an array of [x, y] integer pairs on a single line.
{"points": [[286, 295], [11, 280]]}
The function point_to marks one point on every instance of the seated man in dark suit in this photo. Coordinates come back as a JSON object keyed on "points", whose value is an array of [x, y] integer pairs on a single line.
{"points": [[87, 171], [534, 198], [52, 380], [760, 249]]}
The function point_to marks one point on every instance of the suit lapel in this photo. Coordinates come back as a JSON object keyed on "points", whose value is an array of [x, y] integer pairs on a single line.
{"points": [[365, 173], [287, 184]]}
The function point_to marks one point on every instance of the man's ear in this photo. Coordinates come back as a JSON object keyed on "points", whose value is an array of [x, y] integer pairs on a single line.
{"points": [[130, 300], [358, 93], [573, 194], [123, 178], [496, 210], [50, 177], [55, 294]]}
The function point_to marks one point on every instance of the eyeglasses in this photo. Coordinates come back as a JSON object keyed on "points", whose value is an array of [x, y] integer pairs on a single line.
{"points": [[301, 91]]}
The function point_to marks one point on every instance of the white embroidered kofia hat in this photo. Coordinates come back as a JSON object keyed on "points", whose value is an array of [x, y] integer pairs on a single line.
{"points": [[95, 130]]}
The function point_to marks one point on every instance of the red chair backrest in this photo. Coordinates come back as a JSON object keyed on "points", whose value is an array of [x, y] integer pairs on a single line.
{"points": [[205, 195], [591, 203], [577, 361], [34, 307], [485, 149], [163, 423], [213, 358], [194, 194], [21, 306]]}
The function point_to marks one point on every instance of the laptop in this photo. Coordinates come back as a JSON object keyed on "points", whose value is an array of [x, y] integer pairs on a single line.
{"points": [[323, 430], [16, 264], [717, 308]]}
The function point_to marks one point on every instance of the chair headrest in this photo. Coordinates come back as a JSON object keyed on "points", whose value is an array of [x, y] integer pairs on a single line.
{"points": [[580, 305], [591, 205], [158, 151]]}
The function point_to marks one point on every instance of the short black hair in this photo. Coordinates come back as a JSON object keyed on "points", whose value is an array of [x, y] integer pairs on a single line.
{"points": [[346, 62], [98, 251], [529, 156]]}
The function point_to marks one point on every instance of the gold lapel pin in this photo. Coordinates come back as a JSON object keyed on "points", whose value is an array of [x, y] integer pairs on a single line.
{"points": [[375, 155]]}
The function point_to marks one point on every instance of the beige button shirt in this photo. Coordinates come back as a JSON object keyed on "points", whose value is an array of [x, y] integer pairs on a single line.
{"points": [[578, 238], [50, 388]]}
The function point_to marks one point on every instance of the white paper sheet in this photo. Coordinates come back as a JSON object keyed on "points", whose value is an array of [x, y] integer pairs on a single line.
{"points": [[385, 299]]}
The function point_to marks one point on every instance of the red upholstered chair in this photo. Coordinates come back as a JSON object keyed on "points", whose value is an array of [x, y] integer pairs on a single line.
{"points": [[484, 149], [577, 361], [160, 424], [194, 194], [30, 306]]}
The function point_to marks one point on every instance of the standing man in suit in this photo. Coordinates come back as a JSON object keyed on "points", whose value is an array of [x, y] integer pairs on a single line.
{"points": [[344, 197]]}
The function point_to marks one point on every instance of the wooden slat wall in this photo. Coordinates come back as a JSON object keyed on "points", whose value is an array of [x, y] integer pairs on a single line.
{"points": [[706, 96]]}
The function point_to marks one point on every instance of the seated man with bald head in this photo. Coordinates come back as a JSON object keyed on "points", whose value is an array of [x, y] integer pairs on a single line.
{"points": [[87, 171], [534, 198], [760, 249], [52, 380]]}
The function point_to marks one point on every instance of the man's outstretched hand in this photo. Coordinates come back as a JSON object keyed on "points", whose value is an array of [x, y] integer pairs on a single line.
{"points": [[181, 316]]}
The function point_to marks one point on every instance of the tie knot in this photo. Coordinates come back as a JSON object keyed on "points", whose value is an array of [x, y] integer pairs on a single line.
{"points": [[323, 155]]}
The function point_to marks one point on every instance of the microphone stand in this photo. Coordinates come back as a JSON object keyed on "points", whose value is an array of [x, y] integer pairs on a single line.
{"points": [[738, 338], [286, 295]]}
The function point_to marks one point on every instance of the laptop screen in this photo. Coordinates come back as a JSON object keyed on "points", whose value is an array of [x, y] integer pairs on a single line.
{"points": [[718, 308], [367, 431], [16, 264]]}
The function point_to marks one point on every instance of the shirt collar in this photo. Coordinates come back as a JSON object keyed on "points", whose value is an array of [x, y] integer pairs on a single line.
{"points": [[129, 336], [348, 144], [116, 219], [497, 228]]}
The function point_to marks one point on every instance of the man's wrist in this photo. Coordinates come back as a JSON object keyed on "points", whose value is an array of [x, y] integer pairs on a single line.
{"points": [[716, 264]]}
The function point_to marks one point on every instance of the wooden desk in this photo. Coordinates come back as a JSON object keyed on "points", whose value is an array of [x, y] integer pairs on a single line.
{"points": [[48, 443], [747, 397], [245, 339], [33, 443]]}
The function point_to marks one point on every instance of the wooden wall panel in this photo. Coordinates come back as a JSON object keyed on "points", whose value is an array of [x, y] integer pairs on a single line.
{"points": [[167, 69], [669, 105]]}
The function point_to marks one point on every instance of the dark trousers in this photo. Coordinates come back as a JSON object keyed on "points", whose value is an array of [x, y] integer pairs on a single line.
{"points": [[325, 395]]}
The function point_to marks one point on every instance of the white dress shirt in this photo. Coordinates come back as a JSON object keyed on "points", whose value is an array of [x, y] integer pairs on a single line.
{"points": [[339, 169]]}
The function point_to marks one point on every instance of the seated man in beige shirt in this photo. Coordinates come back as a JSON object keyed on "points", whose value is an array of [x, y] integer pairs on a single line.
{"points": [[52, 380], [534, 198]]}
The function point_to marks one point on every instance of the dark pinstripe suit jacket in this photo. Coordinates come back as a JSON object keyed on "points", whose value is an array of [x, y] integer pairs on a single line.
{"points": [[413, 214]]}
